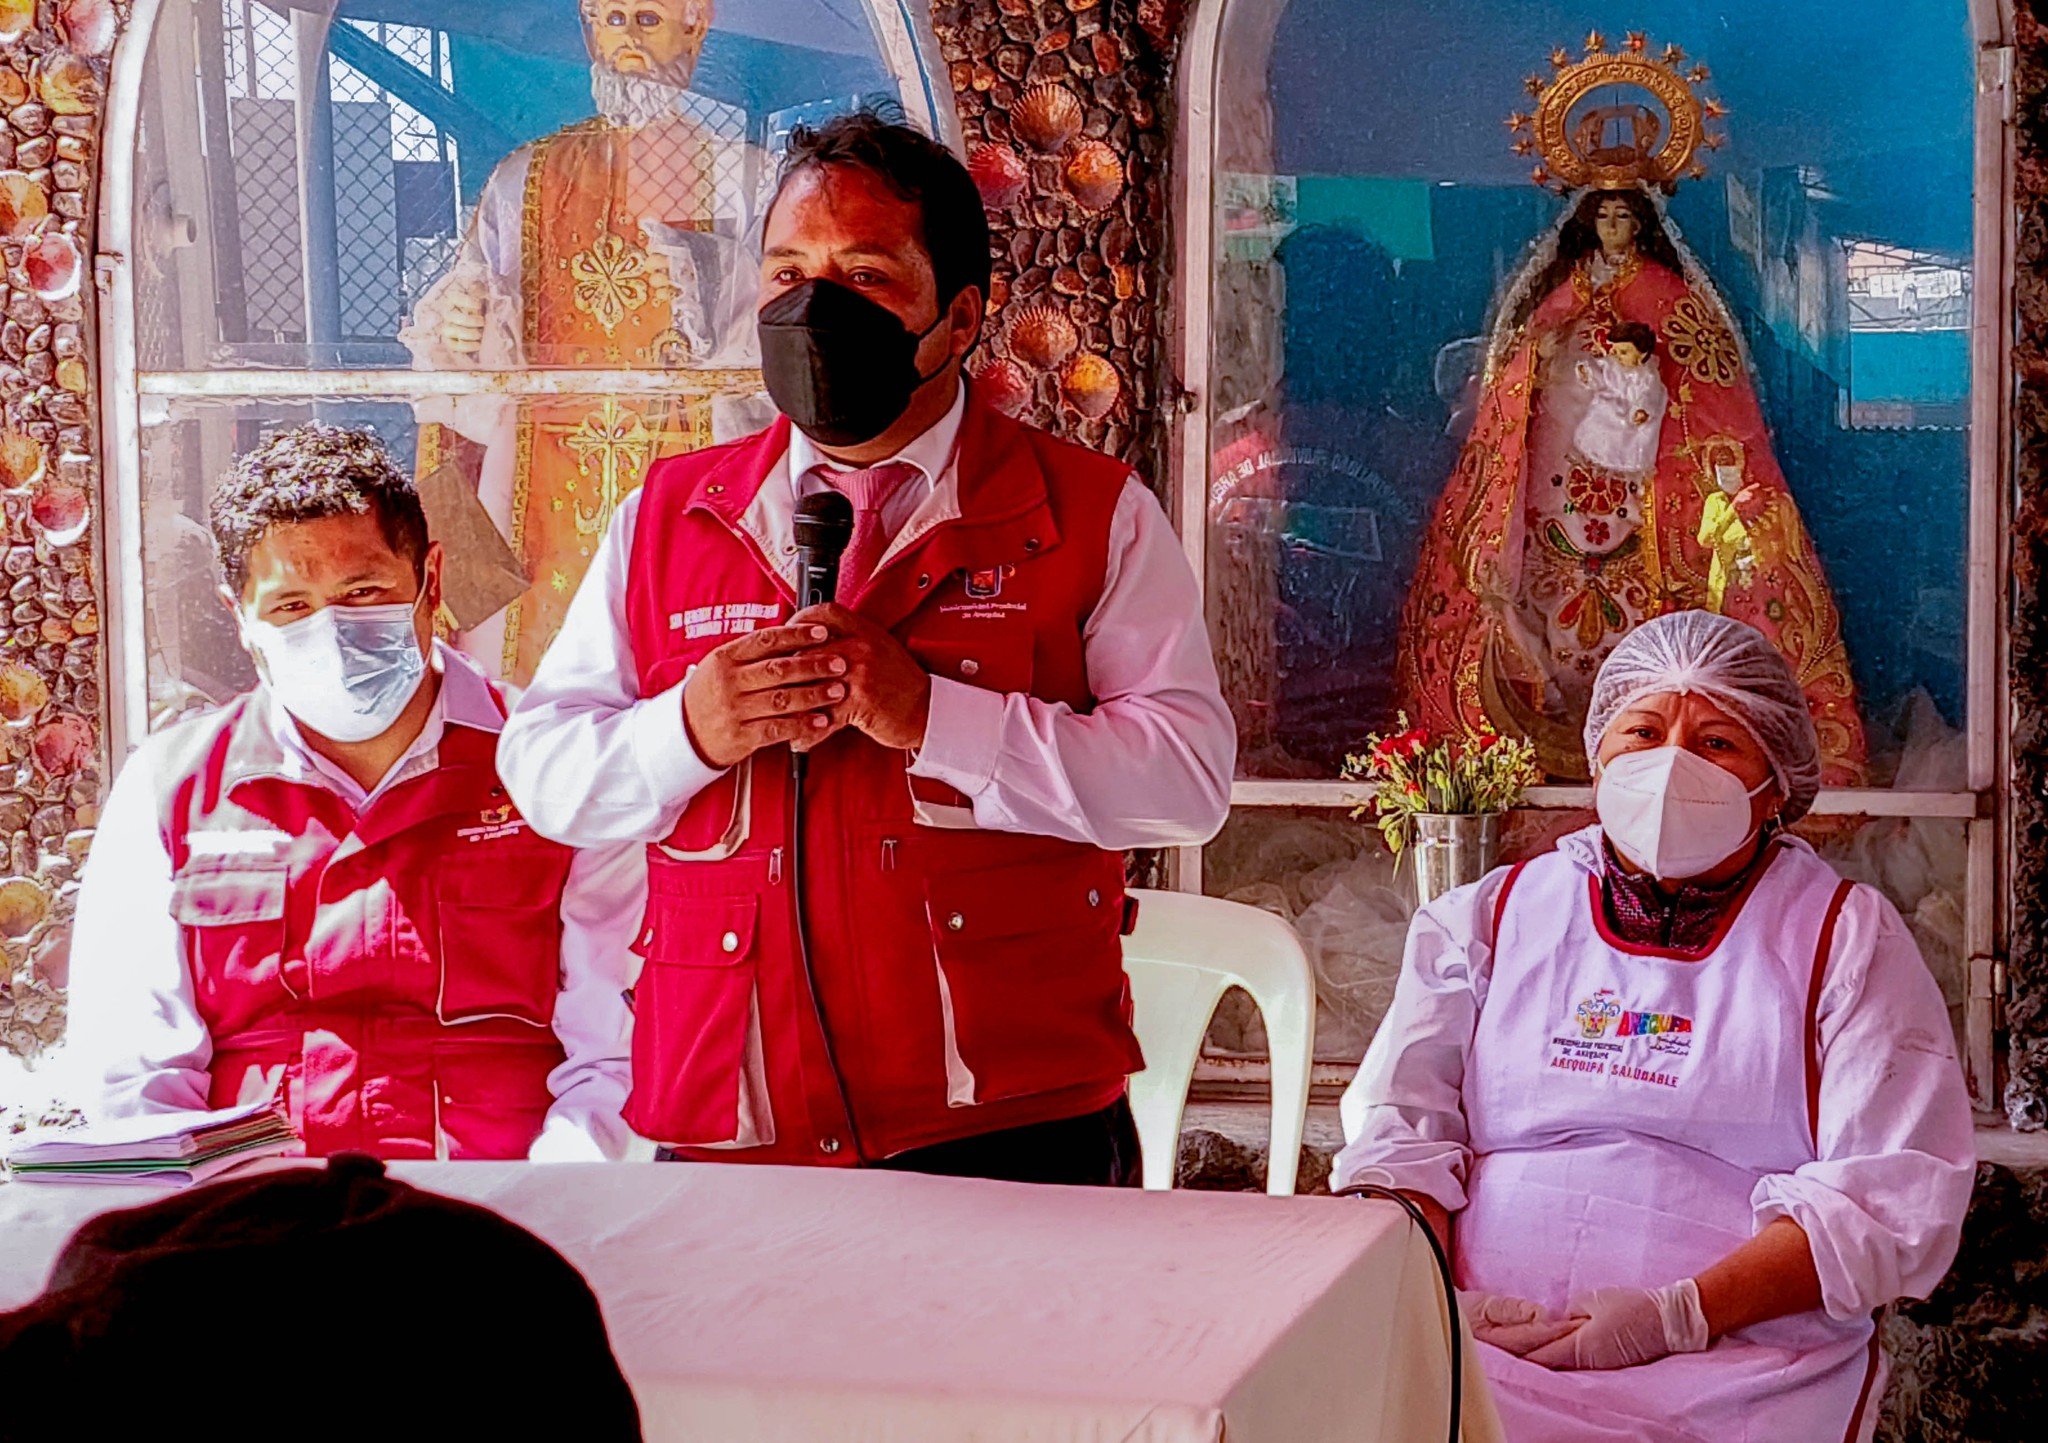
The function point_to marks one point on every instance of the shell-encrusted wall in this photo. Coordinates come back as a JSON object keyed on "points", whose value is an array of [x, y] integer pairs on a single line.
{"points": [[53, 69], [1063, 108], [2026, 1096]]}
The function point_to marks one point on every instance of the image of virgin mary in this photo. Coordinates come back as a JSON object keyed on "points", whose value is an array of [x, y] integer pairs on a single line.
{"points": [[1618, 468]]}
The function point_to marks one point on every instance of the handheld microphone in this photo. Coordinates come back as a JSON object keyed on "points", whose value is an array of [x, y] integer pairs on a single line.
{"points": [[824, 524]]}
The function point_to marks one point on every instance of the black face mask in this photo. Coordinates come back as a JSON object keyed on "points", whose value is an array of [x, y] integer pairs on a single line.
{"points": [[842, 367]]}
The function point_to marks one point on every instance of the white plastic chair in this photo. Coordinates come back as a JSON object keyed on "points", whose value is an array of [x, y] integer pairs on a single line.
{"points": [[1186, 953]]}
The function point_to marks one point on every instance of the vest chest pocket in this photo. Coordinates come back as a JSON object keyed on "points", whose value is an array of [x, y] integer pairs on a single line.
{"points": [[998, 661], [500, 952], [1001, 662], [233, 921], [715, 826], [699, 1078], [716, 823]]}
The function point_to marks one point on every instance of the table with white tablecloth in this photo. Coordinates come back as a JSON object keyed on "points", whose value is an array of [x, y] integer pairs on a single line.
{"points": [[793, 1305]]}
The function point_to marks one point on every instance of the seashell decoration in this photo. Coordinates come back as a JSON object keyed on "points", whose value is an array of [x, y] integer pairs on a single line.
{"points": [[1047, 118], [23, 905], [1094, 176], [17, 18], [52, 91], [1042, 337], [1073, 103], [1004, 385], [1090, 384], [89, 26], [999, 174], [22, 460], [61, 512], [67, 83], [24, 204], [23, 693], [63, 745], [53, 265]]}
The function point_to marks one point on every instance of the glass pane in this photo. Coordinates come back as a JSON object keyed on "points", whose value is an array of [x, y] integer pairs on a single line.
{"points": [[517, 186], [1333, 880], [1442, 477], [524, 183]]}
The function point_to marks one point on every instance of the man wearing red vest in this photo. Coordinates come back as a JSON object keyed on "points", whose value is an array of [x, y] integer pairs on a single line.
{"points": [[924, 971], [322, 891]]}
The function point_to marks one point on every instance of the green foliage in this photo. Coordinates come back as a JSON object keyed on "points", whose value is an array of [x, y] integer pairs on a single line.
{"points": [[1411, 773]]}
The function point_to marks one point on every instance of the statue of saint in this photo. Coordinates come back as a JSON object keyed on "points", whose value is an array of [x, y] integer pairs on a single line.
{"points": [[623, 242], [1618, 465]]}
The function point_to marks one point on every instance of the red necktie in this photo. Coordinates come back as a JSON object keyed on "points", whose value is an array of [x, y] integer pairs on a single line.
{"points": [[869, 491]]}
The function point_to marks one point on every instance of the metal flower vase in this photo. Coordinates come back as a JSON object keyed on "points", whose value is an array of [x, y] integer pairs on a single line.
{"points": [[1451, 850]]}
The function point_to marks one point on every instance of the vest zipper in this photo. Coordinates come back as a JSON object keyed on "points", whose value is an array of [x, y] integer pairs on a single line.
{"points": [[888, 854], [775, 867]]}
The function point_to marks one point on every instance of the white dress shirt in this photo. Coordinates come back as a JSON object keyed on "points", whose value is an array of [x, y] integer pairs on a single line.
{"points": [[592, 761], [136, 1034]]}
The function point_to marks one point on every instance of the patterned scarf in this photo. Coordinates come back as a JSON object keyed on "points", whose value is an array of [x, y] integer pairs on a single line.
{"points": [[1683, 920]]}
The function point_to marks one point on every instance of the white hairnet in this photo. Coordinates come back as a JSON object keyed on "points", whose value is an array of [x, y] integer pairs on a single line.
{"points": [[1736, 667]]}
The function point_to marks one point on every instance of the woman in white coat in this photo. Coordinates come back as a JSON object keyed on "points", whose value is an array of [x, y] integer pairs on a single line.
{"points": [[1684, 1101]]}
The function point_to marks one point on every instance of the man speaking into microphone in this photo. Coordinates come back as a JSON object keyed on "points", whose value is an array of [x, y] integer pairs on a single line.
{"points": [[904, 952]]}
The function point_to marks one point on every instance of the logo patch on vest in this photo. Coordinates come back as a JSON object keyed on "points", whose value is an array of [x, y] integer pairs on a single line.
{"points": [[1607, 1038], [493, 823], [731, 618], [987, 585], [983, 591]]}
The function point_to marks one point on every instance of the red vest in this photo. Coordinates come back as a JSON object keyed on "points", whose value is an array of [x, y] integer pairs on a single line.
{"points": [[966, 981], [396, 968]]}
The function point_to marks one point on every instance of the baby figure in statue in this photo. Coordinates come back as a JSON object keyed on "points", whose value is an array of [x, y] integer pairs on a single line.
{"points": [[1625, 402]]}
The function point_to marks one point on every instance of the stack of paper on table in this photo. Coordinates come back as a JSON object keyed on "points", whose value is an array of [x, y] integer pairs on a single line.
{"points": [[174, 1149]]}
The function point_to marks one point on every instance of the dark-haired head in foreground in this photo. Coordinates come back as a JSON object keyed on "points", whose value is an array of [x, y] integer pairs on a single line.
{"points": [[313, 1304]]}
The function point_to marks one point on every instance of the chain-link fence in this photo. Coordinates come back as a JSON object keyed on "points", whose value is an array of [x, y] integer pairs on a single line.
{"points": [[382, 208]]}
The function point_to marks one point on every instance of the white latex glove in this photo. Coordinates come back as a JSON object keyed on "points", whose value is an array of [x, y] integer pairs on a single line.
{"points": [[561, 1140], [1627, 1327], [1514, 1325]]}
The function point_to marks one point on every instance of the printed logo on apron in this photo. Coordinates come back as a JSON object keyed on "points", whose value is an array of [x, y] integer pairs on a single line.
{"points": [[1607, 1038]]}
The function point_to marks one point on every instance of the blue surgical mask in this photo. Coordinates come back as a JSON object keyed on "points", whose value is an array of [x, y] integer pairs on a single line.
{"points": [[345, 671]]}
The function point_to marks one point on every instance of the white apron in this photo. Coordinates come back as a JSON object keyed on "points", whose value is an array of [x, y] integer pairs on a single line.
{"points": [[1623, 1104]]}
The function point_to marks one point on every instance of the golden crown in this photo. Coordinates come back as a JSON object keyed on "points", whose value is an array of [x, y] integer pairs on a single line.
{"points": [[1616, 145]]}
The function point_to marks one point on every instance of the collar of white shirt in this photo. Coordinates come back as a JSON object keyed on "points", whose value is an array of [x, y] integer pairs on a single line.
{"points": [[909, 514], [464, 699], [931, 453]]}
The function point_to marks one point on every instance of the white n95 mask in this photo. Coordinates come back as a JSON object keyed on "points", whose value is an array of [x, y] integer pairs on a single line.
{"points": [[1672, 813], [345, 671]]}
